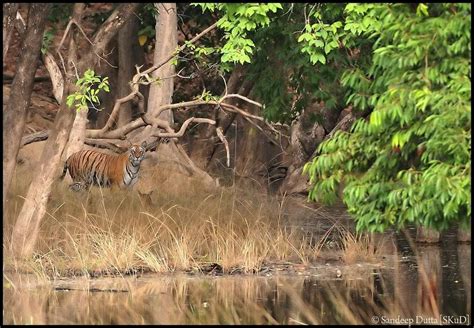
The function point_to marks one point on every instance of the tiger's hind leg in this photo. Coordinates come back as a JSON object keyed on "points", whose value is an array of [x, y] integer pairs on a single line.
{"points": [[79, 186]]}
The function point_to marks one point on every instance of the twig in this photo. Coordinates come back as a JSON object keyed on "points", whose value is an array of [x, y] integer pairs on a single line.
{"points": [[225, 84], [92, 45]]}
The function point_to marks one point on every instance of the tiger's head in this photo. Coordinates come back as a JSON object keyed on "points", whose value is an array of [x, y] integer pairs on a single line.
{"points": [[137, 153]]}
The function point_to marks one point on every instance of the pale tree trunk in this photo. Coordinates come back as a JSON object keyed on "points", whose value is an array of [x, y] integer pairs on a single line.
{"points": [[9, 12], [77, 133], [161, 94], [12, 19], [25, 231], [166, 35], [14, 115], [166, 42]]}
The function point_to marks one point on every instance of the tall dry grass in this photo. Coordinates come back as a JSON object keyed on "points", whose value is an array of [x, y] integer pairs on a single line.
{"points": [[109, 230], [115, 231]]}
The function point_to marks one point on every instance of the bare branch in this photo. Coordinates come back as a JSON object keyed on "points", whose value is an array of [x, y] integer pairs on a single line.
{"points": [[66, 31], [111, 26], [136, 80], [92, 45], [221, 136], [233, 95], [183, 128], [34, 137], [115, 145]]}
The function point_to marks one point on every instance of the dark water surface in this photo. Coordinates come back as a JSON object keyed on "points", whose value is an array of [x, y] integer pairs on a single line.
{"points": [[432, 286], [426, 284]]}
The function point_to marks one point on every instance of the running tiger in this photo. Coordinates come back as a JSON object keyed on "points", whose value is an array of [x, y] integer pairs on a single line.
{"points": [[88, 167]]}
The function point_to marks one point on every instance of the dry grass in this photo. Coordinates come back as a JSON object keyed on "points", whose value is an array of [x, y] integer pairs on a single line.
{"points": [[357, 247], [114, 231]]}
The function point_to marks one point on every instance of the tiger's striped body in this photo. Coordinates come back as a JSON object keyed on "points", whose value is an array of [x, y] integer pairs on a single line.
{"points": [[90, 167]]}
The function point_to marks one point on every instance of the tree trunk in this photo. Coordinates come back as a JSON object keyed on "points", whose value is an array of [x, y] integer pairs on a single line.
{"points": [[161, 94], [77, 133], [22, 86], [130, 53], [9, 12], [166, 43], [25, 231]]}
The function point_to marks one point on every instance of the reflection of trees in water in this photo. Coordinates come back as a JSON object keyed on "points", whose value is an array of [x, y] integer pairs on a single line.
{"points": [[403, 289], [430, 289], [464, 261]]}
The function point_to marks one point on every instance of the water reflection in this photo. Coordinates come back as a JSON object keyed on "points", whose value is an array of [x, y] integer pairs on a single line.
{"points": [[418, 286]]}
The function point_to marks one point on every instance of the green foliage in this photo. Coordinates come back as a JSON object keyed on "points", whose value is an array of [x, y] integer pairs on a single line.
{"points": [[286, 79], [47, 39], [89, 87], [405, 70], [409, 162], [237, 20], [320, 39]]}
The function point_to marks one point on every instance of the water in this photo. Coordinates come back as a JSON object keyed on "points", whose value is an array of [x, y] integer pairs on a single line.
{"points": [[426, 285], [432, 286]]}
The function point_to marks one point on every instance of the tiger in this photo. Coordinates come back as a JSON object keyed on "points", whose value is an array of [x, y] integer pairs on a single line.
{"points": [[90, 167]]}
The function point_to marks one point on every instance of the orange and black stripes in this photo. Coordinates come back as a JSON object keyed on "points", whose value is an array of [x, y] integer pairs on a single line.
{"points": [[88, 167]]}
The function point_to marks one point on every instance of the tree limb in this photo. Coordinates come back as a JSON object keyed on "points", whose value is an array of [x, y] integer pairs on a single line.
{"points": [[137, 79], [111, 26], [183, 128], [34, 137]]}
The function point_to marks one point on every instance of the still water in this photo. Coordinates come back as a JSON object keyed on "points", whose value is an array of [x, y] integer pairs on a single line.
{"points": [[430, 285]]}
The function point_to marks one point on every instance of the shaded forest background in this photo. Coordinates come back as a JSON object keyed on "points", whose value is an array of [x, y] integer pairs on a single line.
{"points": [[303, 73]]}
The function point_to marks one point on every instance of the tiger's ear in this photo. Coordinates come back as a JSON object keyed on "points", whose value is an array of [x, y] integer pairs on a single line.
{"points": [[143, 144]]}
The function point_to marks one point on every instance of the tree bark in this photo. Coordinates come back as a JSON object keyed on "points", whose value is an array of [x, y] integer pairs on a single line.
{"points": [[130, 54], [9, 12], [77, 133], [15, 113], [166, 42], [25, 231]]}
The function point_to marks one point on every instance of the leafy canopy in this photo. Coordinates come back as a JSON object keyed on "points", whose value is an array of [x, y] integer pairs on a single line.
{"points": [[410, 161], [405, 70]]}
